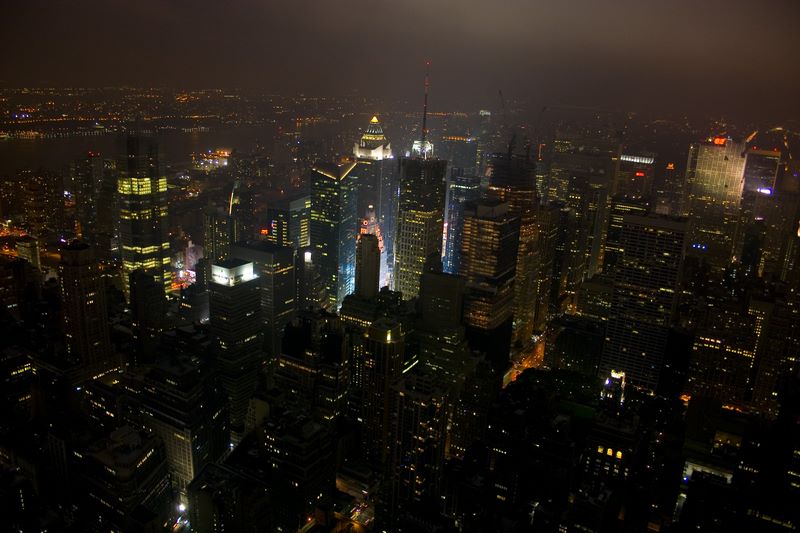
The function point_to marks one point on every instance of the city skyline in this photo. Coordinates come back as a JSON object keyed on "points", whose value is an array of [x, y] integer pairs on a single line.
{"points": [[407, 268]]}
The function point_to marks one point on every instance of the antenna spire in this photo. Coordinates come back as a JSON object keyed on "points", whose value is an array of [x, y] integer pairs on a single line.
{"points": [[425, 106]]}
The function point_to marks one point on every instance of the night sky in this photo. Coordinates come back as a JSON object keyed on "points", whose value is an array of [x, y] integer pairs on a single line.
{"points": [[732, 57]]}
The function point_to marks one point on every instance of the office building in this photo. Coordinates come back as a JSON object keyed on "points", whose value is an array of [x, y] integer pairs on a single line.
{"points": [[126, 480], [644, 298], [28, 249], [142, 207], [148, 306], [368, 266], [461, 188], [178, 400], [313, 370], [512, 180], [236, 331], [488, 262], [384, 354], [275, 267], [334, 228], [714, 184], [85, 316], [420, 220], [220, 231]]}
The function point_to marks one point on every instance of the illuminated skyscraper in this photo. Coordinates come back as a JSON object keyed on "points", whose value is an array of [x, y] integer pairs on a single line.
{"points": [[300, 220], [371, 150], [142, 205], [377, 185], [85, 316], [420, 220], [460, 190], [488, 261], [235, 317], [275, 267], [714, 181], [334, 228], [220, 231], [644, 298]]}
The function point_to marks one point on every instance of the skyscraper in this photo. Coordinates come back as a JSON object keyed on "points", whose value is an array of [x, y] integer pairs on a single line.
{"points": [[85, 317], [512, 179], [148, 306], [714, 181], [368, 257], [220, 231], [142, 205], [384, 344], [461, 189], [334, 228], [275, 267], [420, 220], [235, 316], [377, 185], [644, 298], [420, 217], [489, 259], [178, 400]]}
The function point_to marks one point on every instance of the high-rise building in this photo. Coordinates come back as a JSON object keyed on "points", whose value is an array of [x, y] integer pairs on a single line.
{"points": [[94, 186], [762, 200], [142, 206], [634, 176], [371, 151], [368, 265], [178, 400], [334, 228], [85, 316], [28, 249], [42, 202], [300, 221], [418, 445], [644, 298], [275, 267], [378, 170], [420, 220], [461, 152], [220, 231], [723, 352], [384, 352], [235, 319], [126, 480], [488, 262], [148, 306], [461, 188], [512, 179], [313, 370], [714, 182]]}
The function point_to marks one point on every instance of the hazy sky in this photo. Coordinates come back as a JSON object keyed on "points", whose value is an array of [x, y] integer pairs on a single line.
{"points": [[733, 56]]}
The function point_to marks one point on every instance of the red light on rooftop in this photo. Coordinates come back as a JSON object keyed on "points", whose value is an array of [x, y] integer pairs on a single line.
{"points": [[720, 141], [639, 174]]}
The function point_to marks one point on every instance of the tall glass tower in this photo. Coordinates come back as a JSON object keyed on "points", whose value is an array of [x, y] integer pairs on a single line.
{"points": [[142, 203], [334, 228]]}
